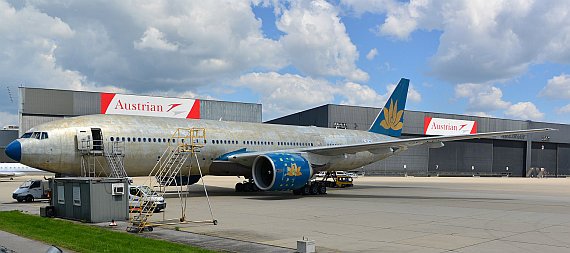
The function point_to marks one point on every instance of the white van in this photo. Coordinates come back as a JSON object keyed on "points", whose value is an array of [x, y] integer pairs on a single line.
{"points": [[136, 192], [32, 189]]}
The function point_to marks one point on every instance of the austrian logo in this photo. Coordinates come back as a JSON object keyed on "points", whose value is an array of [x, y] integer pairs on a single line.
{"points": [[149, 106], [392, 117]]}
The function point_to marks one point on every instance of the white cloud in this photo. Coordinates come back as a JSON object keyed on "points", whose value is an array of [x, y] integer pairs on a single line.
{"points": [[482, 98], [362, 95], [286, 93], [154, 39], [482, 114], [558, 87], [481, 41], [524, 110], [373, 52], [316, 41], [563, 110], [7, 118]]}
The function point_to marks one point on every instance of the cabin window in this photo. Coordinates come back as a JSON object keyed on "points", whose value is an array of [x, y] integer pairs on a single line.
{"points": [[153, 139], [159, 139], [123, 138], [26, 135], [112, 139], [128, 139], [140, 139], [44, 135]]}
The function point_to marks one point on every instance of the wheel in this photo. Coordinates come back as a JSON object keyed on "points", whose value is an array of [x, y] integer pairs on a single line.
{"points": [[248, 187], [215, 222], [29, 198], [314, 189], [149, 229], [322, 189], [306, 190], [20, 200], [239, 187], [255, 188], [298, 191]]}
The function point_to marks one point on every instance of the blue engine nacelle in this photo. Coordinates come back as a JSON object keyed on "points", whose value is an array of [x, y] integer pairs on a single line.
{"points": [[281, 171]]}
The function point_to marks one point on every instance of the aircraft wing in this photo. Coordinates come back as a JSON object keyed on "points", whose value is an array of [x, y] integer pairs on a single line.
{"points": [[10, 174], [318, 155]]}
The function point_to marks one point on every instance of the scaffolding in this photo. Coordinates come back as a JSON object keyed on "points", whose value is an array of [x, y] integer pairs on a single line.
{"points": [[113, 153], [185, 143]]}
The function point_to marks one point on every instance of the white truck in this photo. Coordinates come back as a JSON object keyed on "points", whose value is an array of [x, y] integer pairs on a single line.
{"points": [[32, 189], [140, 193]]}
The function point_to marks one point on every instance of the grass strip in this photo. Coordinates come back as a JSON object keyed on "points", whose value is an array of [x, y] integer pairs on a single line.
{"points": [[83, 238]]}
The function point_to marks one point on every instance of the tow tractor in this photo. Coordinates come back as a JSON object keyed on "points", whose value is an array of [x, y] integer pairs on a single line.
{"points": [[339, 180]]}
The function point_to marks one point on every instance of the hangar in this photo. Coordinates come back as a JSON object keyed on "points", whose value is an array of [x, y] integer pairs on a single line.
{"points": [[39, 105], [509, 155]]}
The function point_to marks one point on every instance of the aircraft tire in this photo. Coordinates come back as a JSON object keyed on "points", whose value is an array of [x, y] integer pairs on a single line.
{"points": [[314, 189], [255, 188], [248, 187], [239, 187], [306, 190], [322, 189]]}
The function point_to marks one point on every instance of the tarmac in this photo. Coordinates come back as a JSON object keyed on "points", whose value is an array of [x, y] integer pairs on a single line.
{"points": [[387, 214]]}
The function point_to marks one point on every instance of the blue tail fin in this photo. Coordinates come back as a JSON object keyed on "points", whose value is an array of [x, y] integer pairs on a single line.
{"points": [[390, 120]]}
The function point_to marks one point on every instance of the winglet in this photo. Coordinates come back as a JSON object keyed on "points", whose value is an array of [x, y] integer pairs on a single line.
{"points": [[390, 120]]}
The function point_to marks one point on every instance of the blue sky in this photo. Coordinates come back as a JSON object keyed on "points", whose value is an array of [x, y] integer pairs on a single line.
{"points": [[507, 59]]}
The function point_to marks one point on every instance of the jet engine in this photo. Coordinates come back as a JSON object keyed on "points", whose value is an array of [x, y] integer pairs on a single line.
{"points": [[281, 171]]}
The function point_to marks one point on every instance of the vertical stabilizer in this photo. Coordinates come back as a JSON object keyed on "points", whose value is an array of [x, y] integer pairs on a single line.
{"points": [[390, 120]]}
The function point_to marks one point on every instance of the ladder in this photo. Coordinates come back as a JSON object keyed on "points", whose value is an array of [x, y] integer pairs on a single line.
{"points": [[113, 153], [183, 142]]}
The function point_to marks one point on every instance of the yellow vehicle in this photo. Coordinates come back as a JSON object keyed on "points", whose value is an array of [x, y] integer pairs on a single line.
{"points": [[339, 181]]}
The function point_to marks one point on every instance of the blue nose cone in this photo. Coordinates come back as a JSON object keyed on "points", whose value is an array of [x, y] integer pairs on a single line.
{"points": [[14, 150]]}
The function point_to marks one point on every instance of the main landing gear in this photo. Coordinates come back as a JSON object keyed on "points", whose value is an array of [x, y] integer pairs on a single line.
{"points": [[315, 188], [247, 187]]}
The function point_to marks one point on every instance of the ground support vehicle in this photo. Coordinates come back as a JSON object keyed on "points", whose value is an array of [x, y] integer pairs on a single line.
{"points": [[32, 189]]}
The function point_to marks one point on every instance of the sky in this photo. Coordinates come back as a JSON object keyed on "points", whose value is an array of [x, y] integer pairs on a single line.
{"points": [[503, 58]]}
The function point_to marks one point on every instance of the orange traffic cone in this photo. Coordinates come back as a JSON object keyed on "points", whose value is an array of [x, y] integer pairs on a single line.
{"points": [[112, 224]]}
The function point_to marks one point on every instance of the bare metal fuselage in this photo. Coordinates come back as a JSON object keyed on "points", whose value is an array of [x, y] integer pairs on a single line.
{"points": [[59, 153]]}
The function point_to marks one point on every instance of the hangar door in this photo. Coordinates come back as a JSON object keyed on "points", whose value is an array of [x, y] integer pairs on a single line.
{"points": [[544, 156], [462, 157], [563, 160], [509, 154]]}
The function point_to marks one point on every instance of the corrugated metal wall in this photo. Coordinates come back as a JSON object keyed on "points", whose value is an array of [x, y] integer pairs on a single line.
{"points": [[29, 121], [40, 106], [230, 111]]}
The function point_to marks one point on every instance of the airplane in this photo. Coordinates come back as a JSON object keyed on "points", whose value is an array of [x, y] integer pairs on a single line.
{"points": [[13, 170], [272, 157]]}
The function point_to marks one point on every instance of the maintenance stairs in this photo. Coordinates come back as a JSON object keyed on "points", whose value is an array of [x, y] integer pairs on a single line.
{"points": [[183, 144], [111, 151]]}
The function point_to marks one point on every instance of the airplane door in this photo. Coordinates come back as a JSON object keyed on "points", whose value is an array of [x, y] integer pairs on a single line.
{"points": [[84, 140], [97, 138]]}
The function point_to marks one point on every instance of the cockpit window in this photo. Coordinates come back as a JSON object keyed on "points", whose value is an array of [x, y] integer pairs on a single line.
{"points": [[44, 135], [36, 135], [26, 135]]}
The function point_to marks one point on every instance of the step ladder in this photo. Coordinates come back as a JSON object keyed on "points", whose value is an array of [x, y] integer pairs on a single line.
{"points": [[183, 143], [113, 152]]}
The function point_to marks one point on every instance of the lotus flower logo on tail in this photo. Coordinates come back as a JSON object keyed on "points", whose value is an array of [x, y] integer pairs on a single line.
{"points": [[392, 117], [390, 120]]}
